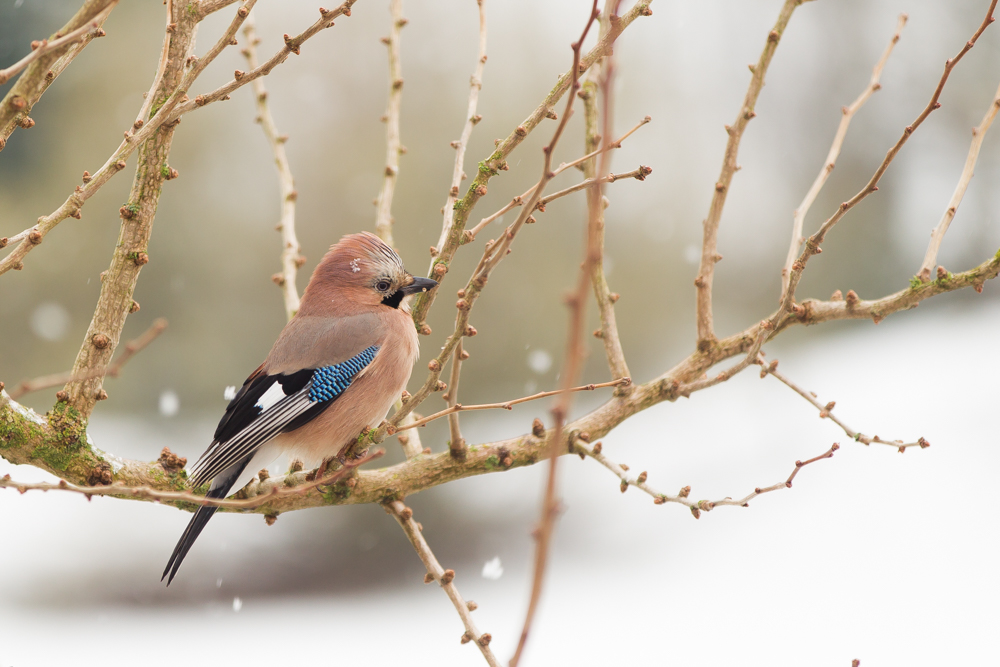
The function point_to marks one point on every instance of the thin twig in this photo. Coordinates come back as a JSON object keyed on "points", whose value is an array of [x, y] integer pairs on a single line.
{"points": [[639, 174], [497, 161], [410, 442], [683, 496], [471, 120], [175, 106], [594, 132], [291, 259], [457, 443], [573, 362], [519, 200], [709, 248], [493, 254], [812, 245], [799, 216], [45, 46], [42, 72], [404, 517], [826, 412], [35, 434], [161, 67], [146, 493], [509, 405], [393, 148], [937, 236], [132, 348], [764, 328]]}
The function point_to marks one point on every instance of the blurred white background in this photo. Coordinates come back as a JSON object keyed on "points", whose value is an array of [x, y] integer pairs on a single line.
{"points": [[871, 555]]}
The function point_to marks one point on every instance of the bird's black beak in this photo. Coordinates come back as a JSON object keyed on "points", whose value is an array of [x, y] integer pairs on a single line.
{"points": [[418, 285]]}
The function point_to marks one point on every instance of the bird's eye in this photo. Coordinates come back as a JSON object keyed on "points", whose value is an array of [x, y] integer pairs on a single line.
{"points": [[383, 285]]}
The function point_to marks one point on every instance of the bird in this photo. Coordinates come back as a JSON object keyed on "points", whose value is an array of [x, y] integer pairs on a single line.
{"points": [[335, 370]]}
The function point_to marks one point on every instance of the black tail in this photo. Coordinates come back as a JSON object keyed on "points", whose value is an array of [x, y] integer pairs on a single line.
{"points": [[219, 489]]}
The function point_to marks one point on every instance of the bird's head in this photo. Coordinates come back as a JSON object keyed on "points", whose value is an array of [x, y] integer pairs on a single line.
{"points": [[362, 271]]}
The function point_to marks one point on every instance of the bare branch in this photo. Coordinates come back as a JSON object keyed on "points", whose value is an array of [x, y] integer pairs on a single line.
{"points": [[457, 442], [639, 174], [43, 47], [826, 412], [46, 67], [799, 215], [161, 67], [28, 433], [575, 353], [497, 162], [709, 248], [812, 246], [682, 497], [132, 348], [937, 236], [410, 442], [519, 200], [471, 119], [596, 204], [259, 501], [493, 254], [167, 113], [509, 405], [291, 259], [393, 148], [751, 357], [445, 578]]}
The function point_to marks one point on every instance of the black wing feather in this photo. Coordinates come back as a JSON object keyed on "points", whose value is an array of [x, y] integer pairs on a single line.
{"points": [[220, 489], [243, 409]]}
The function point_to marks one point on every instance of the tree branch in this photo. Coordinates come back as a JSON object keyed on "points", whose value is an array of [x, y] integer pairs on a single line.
{"points": [[799, 216], [682, 497], [709, 248], [404, 517], [47, 66], [167, 112], [509, 405], [393, 148], [58, 444], [575, 353], [593, 144], [132, 348], [497, 161], [826, 412], [937, 235], [520, 199], [44, 47], [471, 120], [291, 259], [812, 246]]}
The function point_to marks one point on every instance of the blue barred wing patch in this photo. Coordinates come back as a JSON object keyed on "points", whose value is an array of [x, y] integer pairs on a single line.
{"points": [[330, 382]]}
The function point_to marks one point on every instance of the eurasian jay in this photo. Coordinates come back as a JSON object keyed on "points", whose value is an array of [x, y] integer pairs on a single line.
{"points": [[336, 369]]}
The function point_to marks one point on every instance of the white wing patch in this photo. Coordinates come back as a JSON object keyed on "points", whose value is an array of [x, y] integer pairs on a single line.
{"points": [[273, 394]]}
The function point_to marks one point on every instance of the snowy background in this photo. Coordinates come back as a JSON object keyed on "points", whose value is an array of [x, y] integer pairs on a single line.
{"points": [[872, 555]]}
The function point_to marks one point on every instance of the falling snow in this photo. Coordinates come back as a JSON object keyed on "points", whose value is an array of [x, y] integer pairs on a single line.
{"points": [[492, 569], [539, 361], [170, 403]]}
